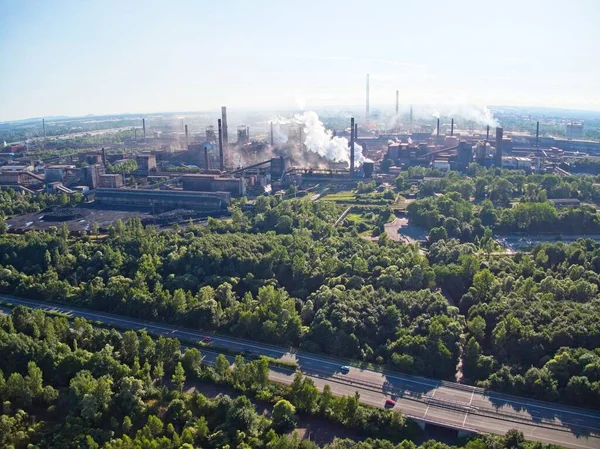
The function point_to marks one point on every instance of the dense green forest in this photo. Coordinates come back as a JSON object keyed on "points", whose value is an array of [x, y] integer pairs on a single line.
{"points": [[71, 385], [505, 201], [280, 273]]}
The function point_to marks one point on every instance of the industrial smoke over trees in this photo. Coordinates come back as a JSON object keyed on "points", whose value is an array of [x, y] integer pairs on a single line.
{"points": [[316, 138]]}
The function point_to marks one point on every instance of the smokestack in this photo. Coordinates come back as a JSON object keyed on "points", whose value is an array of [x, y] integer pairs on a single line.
{"points": [[144, 128], [537, 135], [104, 157], [397, 100], [271, 133], [411, 115], [221, 161], [187, 140], [437, 132], [452, 128], [206, 164], [44, 128], [367, 109], [352, 144], [355, 132], [487, 134], [498, 155], [225, 131]]}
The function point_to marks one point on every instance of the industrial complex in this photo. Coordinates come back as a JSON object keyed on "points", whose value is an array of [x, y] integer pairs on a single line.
{"points": [[175, 168]]}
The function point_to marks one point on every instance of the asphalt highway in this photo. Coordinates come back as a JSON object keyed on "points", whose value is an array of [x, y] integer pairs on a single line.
{"points": [[427, 400]]}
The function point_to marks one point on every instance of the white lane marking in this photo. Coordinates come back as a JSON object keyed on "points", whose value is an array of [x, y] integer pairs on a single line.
{"points": [[95, 315], [467, 413], [427, 409]]}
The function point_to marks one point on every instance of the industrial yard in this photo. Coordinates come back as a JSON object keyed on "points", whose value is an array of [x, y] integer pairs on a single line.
{"points": [[205, 162]]}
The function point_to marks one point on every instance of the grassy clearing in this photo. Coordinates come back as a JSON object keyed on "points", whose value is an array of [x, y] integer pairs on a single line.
{"points": [[346, 195]]}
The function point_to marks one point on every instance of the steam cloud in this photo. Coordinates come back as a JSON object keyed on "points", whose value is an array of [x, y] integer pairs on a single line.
{"points": [[321, 141], [480, 115]]}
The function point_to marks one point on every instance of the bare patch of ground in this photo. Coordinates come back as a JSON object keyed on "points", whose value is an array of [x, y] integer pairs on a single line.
{"points": [[85, 221], [400, 230]]}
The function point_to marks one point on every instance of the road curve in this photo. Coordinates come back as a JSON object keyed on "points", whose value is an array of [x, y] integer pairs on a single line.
{"points": [[429, 400]]}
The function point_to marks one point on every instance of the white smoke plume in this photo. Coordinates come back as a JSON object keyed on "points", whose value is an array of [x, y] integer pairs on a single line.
{"points": [[320, 140], [481, 115]]}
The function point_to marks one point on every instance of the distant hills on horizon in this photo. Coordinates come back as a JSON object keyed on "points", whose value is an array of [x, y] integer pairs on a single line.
{"points": [[533, 110]]}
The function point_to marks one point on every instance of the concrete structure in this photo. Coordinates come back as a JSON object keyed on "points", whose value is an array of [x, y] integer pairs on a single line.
{"points": [[574, 131], [146, 162], [163, 199], [214, 183], [53, 173], [225, 136], [441, 164], [277, 167], [243, 135], [91, 175], [498, 153], [565, 202], [110, 181], [393, 151], [221, 154], [481, 152], [16, 168], [465, 155], [516, 162], [22, 178]]}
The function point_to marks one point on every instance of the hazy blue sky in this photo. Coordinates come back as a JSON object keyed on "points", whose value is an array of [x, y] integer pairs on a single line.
{"points": [[80, 57]]}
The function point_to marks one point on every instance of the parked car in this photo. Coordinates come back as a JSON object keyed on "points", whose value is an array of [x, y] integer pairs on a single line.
{"points": [[206, 339], [345, 369], [390, 402]]}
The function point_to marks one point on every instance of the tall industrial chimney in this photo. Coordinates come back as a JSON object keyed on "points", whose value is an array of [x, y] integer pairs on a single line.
{"points": [[144, 128], [44, 128], [187, 140], [271, 133], [487, 134], [356, 132], [206, 164], [411, 115], [221, 161], [397, 100], [352, 144], [537, 135], [452, 128], [367, 113], [225, 131], [498, 155], [437, 131]]}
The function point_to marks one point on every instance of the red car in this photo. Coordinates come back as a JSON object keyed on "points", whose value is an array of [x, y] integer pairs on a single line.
{"points": [[390, 402], [206, 339]]}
